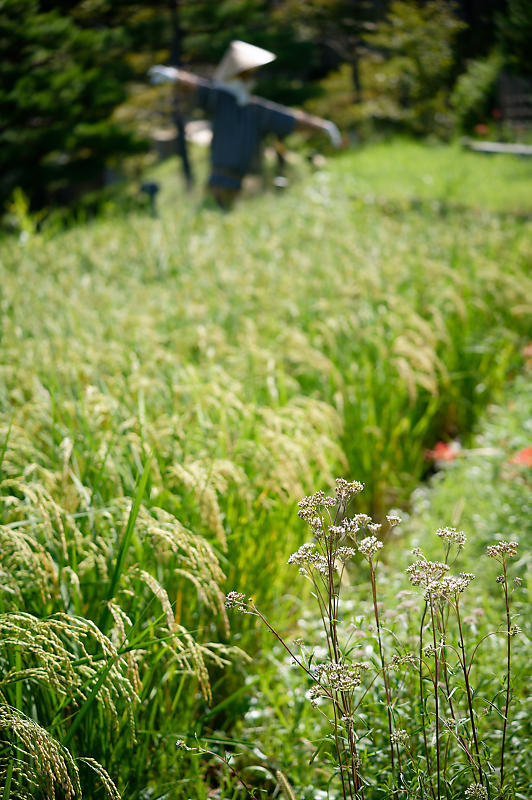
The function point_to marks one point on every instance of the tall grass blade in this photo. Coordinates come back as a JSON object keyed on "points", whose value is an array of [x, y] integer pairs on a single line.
{"points": [[140, 488]]}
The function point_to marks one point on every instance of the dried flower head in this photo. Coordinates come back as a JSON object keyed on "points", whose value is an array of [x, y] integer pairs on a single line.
{"points": [[393, 520], [182, 745], [399, 736], [369, 546], [311, 507], [346, 489], [424, 573], [398, 661], [475, 791], [452, 536], [308, 557], [236, 600], [361, 520], [503, 550], [341, 677], [345, 553], [450, 586], [374, 527]]}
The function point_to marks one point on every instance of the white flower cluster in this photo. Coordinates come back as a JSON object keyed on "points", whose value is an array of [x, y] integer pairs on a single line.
{"points": [[346, 489], [335, 533], [308, 557], [452, 536], [361, 520], [398, 661], [314, 694], [341, 677], [424, 573], [182, 745], [503, 549], [449, 586], [345, 553], [369, 546], [400, 736], [393, 520], [236, 600], [475, 791]]}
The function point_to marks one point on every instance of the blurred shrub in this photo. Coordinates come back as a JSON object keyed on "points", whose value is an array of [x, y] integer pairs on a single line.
{"points": [[406, 74], [473, 94]]}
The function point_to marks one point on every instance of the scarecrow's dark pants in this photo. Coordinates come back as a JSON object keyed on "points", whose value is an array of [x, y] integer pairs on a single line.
{"points": [[224, 187]]}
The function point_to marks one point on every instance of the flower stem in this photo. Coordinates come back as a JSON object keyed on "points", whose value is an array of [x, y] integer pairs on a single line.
{"points": [[469, 695], [508, 668], [372, 573]]}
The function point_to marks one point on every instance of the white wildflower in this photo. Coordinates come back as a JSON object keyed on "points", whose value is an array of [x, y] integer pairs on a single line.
{"points": [[393, 520], [476, 791], [501, 550], [369, 546], [346, 489], [374, 527], [339, 676], [424, 573], [345, 553], [399, 736], [236, 600], [361, 520], [452, 536]]}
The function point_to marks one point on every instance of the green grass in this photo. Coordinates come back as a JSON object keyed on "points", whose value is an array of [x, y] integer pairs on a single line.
{"points": [[448, 175], [485, 492], [340, 327]]}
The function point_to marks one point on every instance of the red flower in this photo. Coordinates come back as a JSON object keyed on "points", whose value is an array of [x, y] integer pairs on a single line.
{"points": [[443, 451], [524, 456]]}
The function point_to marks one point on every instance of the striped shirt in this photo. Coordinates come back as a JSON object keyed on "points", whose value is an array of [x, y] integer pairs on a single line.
{"points": [[237, 129]]}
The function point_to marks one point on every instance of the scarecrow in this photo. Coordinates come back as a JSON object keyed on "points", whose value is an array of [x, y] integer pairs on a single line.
{"points": [[239, 120]]}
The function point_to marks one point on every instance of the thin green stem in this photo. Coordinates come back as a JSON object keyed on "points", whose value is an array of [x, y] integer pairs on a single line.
{"points": [[372, 574], [463, 663], [422, 701], [508, 670], [436, 696]]}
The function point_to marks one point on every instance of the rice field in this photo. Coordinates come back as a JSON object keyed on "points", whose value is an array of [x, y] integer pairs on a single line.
{"points": [[170, 386]]}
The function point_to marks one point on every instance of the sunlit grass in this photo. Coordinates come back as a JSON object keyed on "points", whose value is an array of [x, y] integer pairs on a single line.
{"points": [[340, 327]]}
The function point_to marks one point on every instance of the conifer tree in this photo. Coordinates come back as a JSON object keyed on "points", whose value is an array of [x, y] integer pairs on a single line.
{"points": [[60, 79]]}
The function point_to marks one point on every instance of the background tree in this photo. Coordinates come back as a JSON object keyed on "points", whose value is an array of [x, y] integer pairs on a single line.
{"points": [[409, 72], [515, 35], [60, 80]]}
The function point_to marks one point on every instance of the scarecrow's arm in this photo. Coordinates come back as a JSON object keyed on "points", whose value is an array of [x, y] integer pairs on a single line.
{"points": [[306, 121], [161, 74]]}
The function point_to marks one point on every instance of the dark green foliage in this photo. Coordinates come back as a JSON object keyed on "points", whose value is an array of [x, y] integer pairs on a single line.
{"points": [[515, 31], [474, 92], [412, 65], [60, 81]]}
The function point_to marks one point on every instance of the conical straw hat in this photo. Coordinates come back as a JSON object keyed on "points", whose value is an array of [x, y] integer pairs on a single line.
{"points": [[239, 57]]}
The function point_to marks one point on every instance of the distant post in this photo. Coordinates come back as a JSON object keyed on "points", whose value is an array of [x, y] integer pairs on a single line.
{"points": [[179, 121]]}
